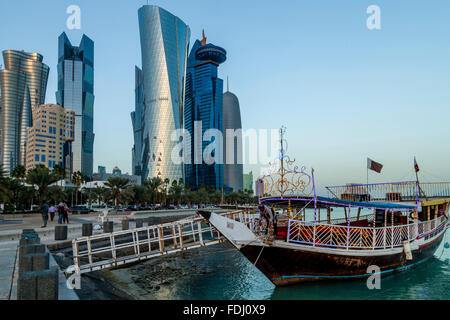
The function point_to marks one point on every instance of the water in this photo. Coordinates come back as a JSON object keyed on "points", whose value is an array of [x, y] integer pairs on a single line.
{"points": [[222, 273]]}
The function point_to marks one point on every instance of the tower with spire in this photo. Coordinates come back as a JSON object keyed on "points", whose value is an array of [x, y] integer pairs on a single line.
{"points": [[203, 104]]}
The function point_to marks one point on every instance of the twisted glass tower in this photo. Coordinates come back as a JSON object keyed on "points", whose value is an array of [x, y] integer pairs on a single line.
{"points": [[23, 84], [76, 93], [159, 92]]}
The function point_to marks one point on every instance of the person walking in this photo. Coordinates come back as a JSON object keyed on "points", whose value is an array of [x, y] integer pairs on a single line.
{"points": [[61, 210], [44, 212], [52, 212], [65, 214]]}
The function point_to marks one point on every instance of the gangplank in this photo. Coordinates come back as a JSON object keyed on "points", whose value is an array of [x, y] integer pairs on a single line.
{"points": [[120, 248]]}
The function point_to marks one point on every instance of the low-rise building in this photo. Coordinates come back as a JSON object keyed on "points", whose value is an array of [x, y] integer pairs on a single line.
{"points": [[248, 181], [50, 137], [116, 171], [101, 169], [135, 180]]}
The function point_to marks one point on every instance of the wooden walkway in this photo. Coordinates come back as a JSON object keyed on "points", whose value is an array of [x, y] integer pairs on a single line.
{"points": [[129, 246]]}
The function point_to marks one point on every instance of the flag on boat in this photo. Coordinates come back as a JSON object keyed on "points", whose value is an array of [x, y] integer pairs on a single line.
{"points": [[416, 166], [375, 166]]}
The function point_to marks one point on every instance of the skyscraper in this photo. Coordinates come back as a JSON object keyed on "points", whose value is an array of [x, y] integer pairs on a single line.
{"points": [[233, 172], [203, 104], [76, 93], [159, 104], [138, 123], [23, 84]]}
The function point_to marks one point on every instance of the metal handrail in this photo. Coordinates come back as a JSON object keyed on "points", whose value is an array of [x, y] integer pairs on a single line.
{"points": [[379, 191], [112, 249], [344, 237]]}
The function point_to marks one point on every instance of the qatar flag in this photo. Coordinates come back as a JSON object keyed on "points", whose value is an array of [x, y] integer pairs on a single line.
{"points": [[416, 166], [375, 166]]}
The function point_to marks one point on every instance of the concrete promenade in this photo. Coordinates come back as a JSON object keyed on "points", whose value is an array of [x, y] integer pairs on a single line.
{"points": [[11, 229]]}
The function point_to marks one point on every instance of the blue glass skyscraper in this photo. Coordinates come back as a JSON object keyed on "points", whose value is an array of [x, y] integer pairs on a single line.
{"points": [[203, 103], [76, 92]]}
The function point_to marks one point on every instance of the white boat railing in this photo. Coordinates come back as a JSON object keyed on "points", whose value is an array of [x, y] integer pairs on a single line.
{"points": [[349, 237]]}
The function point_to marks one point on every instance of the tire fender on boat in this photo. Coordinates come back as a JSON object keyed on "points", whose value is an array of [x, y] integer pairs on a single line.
{"points": [[407, 250]]}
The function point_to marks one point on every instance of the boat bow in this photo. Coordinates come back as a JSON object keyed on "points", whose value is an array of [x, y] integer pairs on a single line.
{"points": [[234, 231]]}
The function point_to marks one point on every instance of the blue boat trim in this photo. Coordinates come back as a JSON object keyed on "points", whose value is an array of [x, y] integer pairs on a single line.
{"points": [[367, 204], [433, 232], [354, 276]]}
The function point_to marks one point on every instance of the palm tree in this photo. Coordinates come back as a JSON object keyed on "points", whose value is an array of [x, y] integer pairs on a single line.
{"points": [[99, 195], [117, 185], [153, 187], [77, 179], [176, 191], [5, 193], [60, 172], [56, 194], [19, 173], [137, 194], [9, 189], [41, 177]]}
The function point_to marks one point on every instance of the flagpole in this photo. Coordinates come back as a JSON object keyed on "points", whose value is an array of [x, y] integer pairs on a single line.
{"points": [[367, 173]]}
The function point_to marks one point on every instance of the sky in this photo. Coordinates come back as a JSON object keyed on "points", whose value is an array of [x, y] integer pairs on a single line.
{"points": [[344, 92]]}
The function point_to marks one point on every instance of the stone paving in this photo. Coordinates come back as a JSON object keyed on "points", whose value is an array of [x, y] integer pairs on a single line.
{"points": [[10, 232], [8, 270]]}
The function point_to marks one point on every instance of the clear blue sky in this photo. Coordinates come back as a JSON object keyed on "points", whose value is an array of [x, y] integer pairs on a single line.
{"points": [[344, 92]]}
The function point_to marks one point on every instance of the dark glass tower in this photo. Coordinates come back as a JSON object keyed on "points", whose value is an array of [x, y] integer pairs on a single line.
{"points": [[203, 103], [137, 120], [233, 172], [76, 92]]}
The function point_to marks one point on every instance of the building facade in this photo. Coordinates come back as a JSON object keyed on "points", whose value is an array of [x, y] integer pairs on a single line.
{"points": [[233, 171], [159, 93], [23, 84], [76, 93], [116, 171], [53, 127], [203, 112], [248, 181], [134, 180]]}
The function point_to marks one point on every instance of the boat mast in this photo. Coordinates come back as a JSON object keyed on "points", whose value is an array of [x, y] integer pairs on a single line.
{"points": [[282, 133], [421, 193]]}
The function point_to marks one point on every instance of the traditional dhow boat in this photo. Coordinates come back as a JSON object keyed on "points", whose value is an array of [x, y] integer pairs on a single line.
{"points": [[391, 227]]}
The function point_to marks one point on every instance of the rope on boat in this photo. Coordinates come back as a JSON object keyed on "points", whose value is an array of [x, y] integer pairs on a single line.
{"points": [[249, 272]]}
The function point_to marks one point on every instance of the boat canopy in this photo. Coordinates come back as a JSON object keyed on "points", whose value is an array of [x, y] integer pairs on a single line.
{"points": [[376, 205]]}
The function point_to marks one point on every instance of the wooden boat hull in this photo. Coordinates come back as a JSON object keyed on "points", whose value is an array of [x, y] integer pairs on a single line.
{"points": [[286, 266]]}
